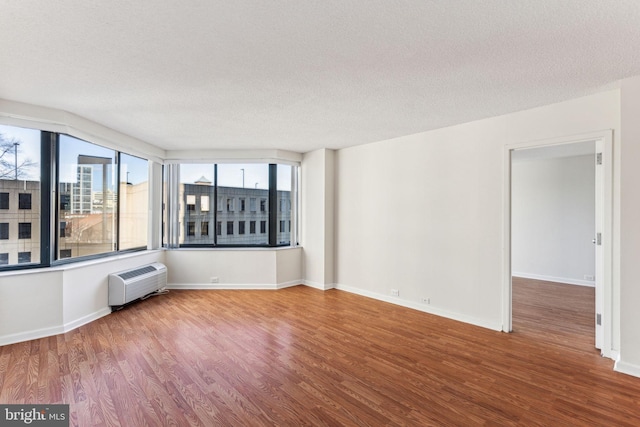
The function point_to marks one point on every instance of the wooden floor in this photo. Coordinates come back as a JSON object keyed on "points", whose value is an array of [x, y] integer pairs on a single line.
{"points": [[300, 356]]}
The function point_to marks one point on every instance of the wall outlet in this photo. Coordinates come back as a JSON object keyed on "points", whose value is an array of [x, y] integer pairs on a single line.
{"points": [[588, 277], [425, 300], [214, 280], [395, 293]]}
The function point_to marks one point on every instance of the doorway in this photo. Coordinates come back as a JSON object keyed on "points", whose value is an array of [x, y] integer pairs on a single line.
{"points": [[596, 269]]}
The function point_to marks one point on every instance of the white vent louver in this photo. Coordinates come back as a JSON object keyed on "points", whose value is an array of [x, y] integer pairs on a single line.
{"points": [[126, 286]]}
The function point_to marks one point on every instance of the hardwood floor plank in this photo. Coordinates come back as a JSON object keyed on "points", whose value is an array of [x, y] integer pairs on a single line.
{"points": [[300, 356]]}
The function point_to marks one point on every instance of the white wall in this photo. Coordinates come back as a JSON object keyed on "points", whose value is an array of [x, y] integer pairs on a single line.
{"points": [[42, 302], [424, 214], [317, 219], [629, 229], [234, 268], [553, 219]]}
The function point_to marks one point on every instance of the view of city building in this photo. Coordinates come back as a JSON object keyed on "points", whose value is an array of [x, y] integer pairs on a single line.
{"points": [[241, 215]]}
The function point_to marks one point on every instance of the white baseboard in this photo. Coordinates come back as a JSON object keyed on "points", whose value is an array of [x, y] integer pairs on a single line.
{"points": [[318, 285], [564, 280], [496, 326], [245, 286], [627, 368], [31, 335], [53, 330], [86, 319]]}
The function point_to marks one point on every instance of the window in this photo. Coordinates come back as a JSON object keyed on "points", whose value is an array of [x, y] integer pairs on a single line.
{"points": [[24, 231], [24, 257], [24, 201], [191, 228], [286, 182], [63, 229], [133, 217], [191, 202], [204, 203], [20, 195], [87, 173], [243, 193], [4, 258]]}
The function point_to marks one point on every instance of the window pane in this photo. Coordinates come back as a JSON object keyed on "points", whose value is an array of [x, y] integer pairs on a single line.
{"points": [[19, 195], [196, 190], [88, 197], [285, 174], [244, 190], [134, 201]]}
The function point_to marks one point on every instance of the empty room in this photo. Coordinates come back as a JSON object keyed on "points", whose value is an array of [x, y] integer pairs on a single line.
{"points": [[319, 213]]}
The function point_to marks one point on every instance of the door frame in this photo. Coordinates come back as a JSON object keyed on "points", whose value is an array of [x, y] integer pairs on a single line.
{"points": [[604, 267]]}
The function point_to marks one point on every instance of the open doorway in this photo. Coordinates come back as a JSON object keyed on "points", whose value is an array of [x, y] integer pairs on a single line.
{"points": [[557, 248]]}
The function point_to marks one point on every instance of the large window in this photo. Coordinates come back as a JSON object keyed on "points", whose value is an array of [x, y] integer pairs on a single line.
{"points": [[100, 204], [134, 202], [246, 195], [20, 189], [87, 175]]}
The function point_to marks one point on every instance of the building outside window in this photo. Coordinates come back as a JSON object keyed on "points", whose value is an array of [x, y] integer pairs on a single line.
{"points": [[229, 228], [4, 258], [204, 228], [4, 200], [191, 228], [4, 231], [241, 227], [252, 227]]}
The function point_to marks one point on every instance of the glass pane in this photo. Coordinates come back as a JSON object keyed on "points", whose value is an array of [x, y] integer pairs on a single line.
{"points": [[19, 195], [88, 197], [285, 174], [134, 201], [243, 190], [196, 194]]}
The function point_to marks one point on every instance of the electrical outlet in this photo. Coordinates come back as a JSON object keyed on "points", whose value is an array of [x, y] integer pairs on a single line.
{"points": [[395, 293], [425, 300], [214, 280], [589, 277]]}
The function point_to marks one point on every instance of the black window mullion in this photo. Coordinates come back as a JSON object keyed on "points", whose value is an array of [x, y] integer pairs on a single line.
{"points": [[48, 147], [215, 203], [273, 201], [104, 201]]}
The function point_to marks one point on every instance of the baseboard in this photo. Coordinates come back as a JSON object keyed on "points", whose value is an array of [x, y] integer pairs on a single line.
{"points": [[53, 330], [564, 280], [496, 326], [86, 319], [318, 285], [627, 368], [31, 335], [223, 286]]}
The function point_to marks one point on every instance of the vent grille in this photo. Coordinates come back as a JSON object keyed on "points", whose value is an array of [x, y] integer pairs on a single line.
{"points": [[137, 272]]}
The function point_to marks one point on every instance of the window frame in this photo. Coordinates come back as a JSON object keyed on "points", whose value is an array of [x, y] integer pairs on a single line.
{"points": [[49, 205], [227, 207]]}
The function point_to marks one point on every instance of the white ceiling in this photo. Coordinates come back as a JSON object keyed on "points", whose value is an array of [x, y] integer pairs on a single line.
{"points": [[301, 75]]}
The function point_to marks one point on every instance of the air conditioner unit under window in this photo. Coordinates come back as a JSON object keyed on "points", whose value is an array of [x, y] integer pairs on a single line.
{"points": [[128, 285]]}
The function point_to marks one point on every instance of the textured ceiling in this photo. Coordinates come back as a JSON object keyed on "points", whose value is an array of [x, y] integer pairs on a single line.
{"points": [[301, 75]]}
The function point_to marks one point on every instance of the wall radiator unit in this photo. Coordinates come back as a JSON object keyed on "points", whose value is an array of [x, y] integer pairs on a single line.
{"points": [[126, 286]]}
